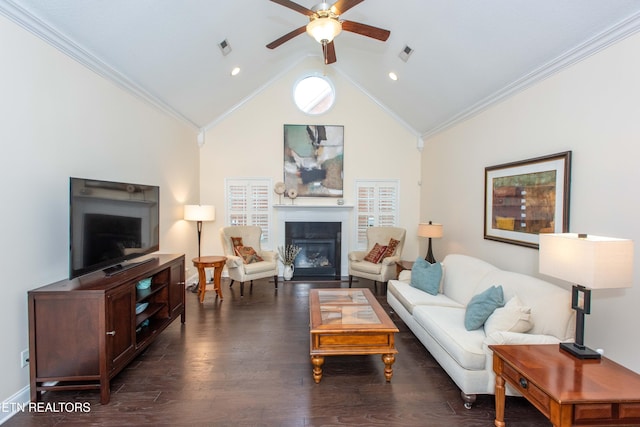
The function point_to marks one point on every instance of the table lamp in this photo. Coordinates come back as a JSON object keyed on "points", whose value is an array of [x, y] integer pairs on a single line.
{"points": [[430, 230], [199, 213], [590, 262]]}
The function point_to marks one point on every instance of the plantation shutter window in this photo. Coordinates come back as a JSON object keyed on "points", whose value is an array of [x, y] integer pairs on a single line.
{"points": [[248, 202], [376, 205]]}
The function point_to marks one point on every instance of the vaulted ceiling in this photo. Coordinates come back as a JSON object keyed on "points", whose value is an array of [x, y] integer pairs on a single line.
{"points": [[466, 54]]}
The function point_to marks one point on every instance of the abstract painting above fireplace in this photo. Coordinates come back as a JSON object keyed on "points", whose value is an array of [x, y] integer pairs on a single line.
{"points": [[313, 160]]}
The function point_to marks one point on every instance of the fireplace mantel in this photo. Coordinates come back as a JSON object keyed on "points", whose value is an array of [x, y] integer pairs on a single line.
{"points": [[317, 213]]}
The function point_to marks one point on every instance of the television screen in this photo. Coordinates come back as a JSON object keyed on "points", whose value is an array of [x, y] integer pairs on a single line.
{"points": [[110, 223]]}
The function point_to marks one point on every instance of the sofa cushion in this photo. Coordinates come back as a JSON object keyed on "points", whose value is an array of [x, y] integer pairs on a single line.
{"points": [[446, 326], [426, 276], [551, 312], [366, 267], [411, 297], [462, 275], [258, 267], [482, 306], [513, 317]]}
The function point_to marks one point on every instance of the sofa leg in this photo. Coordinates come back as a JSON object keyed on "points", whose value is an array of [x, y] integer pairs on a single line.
{"points": [[231, 284], [350, 280], [241, 289], [251, 287], [275, 282], [468, 399]]}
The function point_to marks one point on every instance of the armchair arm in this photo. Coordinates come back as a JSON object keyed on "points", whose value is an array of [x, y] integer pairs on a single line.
{"points": [[270, 256], [357, 255], [390, 260], [405, 276], [234, 261]]}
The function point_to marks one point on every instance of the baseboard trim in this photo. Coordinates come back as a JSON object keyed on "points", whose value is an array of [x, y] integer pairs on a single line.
{"points": [[13, 404]]}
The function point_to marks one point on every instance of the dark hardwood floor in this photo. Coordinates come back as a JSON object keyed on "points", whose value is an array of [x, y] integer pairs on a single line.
{"points": [[245, 362]]}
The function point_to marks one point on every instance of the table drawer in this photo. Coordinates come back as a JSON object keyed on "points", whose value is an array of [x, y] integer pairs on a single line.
{"points": [[353, 341], [529, 390]]}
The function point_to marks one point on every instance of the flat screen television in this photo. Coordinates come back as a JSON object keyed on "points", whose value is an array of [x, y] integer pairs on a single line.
{"points": [[111, 224]]}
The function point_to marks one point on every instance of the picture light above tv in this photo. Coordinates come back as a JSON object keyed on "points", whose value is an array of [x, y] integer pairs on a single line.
{"points": [[111, 224]]}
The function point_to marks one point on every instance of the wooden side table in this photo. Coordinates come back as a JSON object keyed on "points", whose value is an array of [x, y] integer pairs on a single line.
{"points": [[567, 390], [215, 262]]}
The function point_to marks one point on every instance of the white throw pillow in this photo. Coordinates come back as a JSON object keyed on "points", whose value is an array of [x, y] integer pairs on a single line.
{"points": [[513, 317]]}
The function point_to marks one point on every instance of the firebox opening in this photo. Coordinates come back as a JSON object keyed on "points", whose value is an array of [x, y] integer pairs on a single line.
{"points": [[320, 244]]}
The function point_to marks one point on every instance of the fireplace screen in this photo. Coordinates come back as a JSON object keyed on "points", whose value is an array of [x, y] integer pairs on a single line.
{"points": [[320, 248]]}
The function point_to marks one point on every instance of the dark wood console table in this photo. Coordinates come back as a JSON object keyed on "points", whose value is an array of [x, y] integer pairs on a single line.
{"points": [[567, 390], [84, 331]]}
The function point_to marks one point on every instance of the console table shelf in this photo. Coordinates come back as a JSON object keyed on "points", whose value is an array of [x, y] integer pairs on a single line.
{"points": [[84, 331]]}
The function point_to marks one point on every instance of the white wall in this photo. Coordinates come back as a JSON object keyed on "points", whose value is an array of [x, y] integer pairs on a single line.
{"points": [[249, 143], [60, 120], [592, 109]]}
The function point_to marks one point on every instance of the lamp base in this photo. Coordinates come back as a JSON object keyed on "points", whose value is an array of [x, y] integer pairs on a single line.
{"points": [[579, 351]]}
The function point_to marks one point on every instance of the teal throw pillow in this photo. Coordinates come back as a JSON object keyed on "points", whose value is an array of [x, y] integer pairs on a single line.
{"points": [[482, 306], [426, 276]]}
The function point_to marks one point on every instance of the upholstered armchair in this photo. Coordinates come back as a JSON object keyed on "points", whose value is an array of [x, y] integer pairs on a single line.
{"points": [[249, 262], [361, 263]]}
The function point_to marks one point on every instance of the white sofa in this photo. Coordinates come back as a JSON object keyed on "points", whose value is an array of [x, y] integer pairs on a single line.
{"points": [[438, 321]]}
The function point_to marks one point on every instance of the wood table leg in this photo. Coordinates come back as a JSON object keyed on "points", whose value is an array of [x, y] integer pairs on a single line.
{"points": [[217, 275], [317, 362], [388, 360], [500, 396], [202, 283]]}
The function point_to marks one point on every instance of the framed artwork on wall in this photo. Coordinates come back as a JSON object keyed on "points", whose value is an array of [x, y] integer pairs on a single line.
{"points": [[313, 160], [525, 198]]}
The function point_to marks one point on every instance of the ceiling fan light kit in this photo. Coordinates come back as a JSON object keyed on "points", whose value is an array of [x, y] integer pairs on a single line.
{"points": [[324, 29], [324, 25]]}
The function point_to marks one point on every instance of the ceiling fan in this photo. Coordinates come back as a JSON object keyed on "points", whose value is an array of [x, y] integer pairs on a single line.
{"points": [[324, 24]]}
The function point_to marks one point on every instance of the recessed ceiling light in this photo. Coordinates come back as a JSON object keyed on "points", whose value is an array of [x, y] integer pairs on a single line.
{"points": [[235, 71], [393, 76]]}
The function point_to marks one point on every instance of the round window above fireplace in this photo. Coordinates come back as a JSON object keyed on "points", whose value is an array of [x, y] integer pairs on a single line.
{"points": [[314, 94]]}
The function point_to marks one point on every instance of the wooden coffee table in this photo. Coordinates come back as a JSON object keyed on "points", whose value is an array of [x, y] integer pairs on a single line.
{"points": [[567, 390], [349, 322]]}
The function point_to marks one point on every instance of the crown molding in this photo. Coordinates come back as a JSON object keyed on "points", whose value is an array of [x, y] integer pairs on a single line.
{"points": [[584, 50], [592, 46], [41, 29]]}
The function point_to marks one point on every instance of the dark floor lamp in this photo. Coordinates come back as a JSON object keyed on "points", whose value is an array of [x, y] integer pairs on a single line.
{"points": [[199, 213], [430, 230], [594, 262]]}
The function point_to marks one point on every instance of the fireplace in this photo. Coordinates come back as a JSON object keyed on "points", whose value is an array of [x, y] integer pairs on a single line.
{"points": [[320, 244]]}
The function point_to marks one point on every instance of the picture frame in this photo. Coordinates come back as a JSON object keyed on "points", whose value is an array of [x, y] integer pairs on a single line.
{"points": [[314, 160], [525, 198]]}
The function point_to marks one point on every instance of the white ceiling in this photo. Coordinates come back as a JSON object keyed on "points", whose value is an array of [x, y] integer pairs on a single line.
{"points": [[467, 54]]}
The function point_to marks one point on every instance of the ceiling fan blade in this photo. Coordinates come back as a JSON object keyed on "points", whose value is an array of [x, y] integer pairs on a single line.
{"points": [[366, 30], [329, 53], [295, 6], [341, 6], [274, 44]]}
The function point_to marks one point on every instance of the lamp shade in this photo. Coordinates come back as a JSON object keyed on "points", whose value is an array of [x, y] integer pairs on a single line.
{"points": [[199, 213], [591, 261], [430, 230], [324, 29]]}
